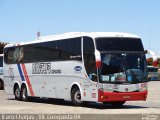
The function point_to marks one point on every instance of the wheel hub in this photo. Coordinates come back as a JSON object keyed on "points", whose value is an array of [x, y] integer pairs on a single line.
{"points": [[77, 97]]}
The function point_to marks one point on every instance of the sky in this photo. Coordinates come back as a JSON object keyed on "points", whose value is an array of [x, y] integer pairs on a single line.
{"points": [[21, 19]]}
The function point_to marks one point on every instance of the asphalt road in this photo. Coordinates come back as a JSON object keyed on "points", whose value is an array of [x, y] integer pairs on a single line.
{"points": [[47, 106]]}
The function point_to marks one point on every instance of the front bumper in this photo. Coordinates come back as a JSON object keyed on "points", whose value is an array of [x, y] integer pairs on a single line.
{"points": [[121, 96]]}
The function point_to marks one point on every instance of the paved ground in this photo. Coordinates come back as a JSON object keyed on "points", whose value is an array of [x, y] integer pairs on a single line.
{"points": [[152, 106]]}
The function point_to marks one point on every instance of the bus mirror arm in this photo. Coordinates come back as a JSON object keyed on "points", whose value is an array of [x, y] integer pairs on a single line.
{"points": [[93, 77]]}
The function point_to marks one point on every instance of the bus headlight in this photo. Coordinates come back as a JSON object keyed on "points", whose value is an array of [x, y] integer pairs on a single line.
{"points": [[143, 89]]}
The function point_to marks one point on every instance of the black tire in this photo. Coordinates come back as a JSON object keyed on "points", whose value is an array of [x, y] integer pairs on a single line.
{"points": [[76, 97], [17, 93], [1, 85], [106, 103], [117, 104], [24, 94], [85, 103]]}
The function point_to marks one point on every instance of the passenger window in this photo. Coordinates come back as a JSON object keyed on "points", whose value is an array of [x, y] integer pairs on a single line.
{"points": [[89, 58]]}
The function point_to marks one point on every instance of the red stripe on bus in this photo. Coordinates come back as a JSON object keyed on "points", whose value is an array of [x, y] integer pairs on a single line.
{"points": [[27, 80]]}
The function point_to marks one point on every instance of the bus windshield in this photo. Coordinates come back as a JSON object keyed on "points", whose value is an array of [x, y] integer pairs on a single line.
{"points": [[122, 61], [123, 68]]}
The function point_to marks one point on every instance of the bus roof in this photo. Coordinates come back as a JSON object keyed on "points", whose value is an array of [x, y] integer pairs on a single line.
{"points": [[76, 34]]}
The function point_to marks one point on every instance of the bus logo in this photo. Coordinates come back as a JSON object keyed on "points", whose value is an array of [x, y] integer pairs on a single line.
{"points": [[126, 89], [78, 68]]}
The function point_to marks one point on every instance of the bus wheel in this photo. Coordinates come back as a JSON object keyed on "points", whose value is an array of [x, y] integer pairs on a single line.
{"points": [[76, 97], [1, 85], [24, 94], [17, 93], [117, 104]]}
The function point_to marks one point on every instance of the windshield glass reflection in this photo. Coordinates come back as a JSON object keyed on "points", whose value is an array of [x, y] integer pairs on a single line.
{"points": [[123, 68]]}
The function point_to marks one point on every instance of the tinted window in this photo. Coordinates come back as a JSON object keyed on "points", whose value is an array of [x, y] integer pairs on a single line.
{"points": [[69, 49], [89, 57], [45, 51], [88, 45], [119, 44], [9, 55], [1, 61]]}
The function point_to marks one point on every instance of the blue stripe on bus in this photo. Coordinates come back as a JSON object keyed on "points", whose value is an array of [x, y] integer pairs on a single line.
{"points": [[20, 72]]}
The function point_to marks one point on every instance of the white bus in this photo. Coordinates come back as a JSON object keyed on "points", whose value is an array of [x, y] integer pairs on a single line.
{"points": [[1, 72], [103, 67], [152, 73]]}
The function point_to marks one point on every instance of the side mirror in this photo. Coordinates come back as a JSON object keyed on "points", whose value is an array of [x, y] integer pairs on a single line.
{"points": [[93, 77], [98, 58]]}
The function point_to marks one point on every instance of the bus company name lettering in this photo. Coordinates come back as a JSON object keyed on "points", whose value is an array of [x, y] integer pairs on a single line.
{"points": [[44, 68]]}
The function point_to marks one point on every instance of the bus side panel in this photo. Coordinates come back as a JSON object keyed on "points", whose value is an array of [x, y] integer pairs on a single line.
{"points": [[34, 82], [56, 84], [44, 86], [86, 90], [71, 71], [8, 85], [52, 79], [11, 76], [62, 89]]}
